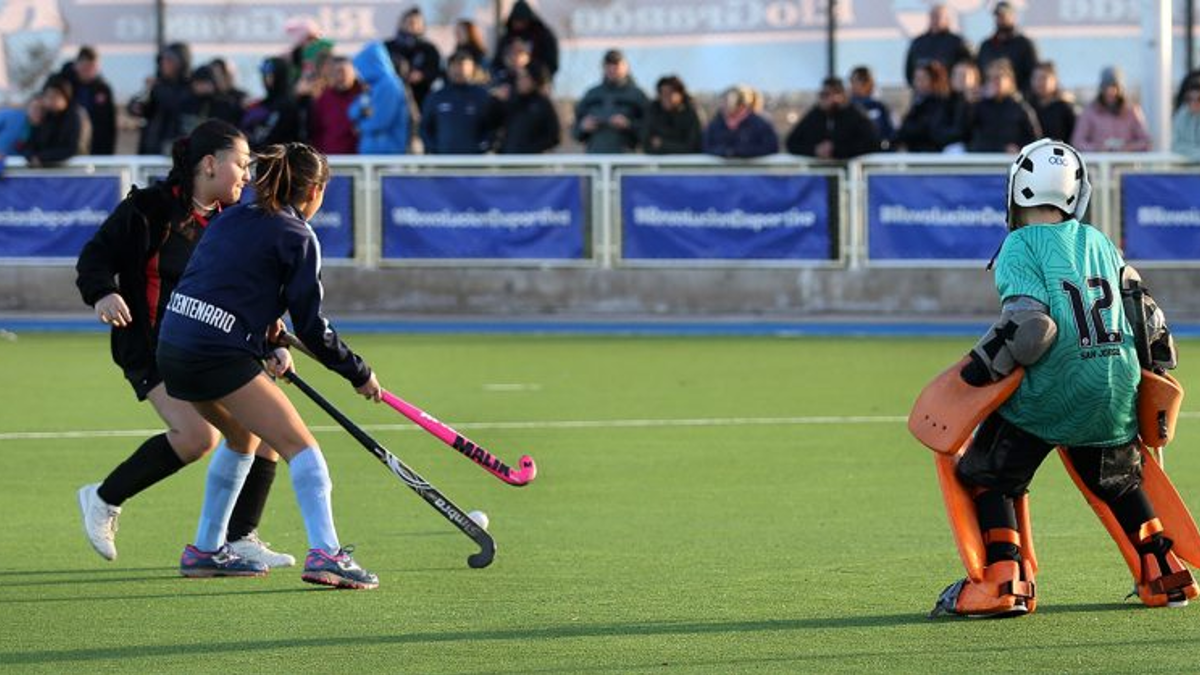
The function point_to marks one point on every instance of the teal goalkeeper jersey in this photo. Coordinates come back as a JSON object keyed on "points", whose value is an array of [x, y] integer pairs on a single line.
{"points": [[1083, 390]]}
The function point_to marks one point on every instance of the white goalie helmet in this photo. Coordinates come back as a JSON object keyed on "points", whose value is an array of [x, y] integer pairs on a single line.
{"points": [[1049, 173]]}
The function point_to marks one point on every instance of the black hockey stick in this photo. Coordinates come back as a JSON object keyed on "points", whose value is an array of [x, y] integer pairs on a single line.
{"points": [[518, 477], [409, 477]]}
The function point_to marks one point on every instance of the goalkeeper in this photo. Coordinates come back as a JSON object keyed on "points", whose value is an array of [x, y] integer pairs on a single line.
{"points": [[1067, 302]]}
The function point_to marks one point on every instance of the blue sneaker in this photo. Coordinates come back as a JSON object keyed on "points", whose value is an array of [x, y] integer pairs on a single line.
{"points": [[220, 563], [338, 570]]}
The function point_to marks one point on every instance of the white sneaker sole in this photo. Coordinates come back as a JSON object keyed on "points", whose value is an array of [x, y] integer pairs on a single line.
{"points": [[83, 511]]}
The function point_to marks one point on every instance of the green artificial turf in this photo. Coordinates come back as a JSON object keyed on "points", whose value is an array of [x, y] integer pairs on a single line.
{"points": [[703, 505]]}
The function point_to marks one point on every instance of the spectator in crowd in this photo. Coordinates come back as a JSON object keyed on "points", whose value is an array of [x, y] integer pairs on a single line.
{"points": [[226, 80], [303, 32], [63, 130], [609, 117], [461, 117], [737, 131], [929, 125], [94, 95], [1185, 125], [965, 92], [1055, 108], [15, 124], [423, 62], [329, 127], [862, 94], [673, 125], [1193, 77], [965, 81], [517, 56], [1001, 121], [524, 24], [833, 129], [530, 121], [312, 68], [381, 113], [1111, 123], [278, 117], [1008, 43], [205, 102], [161, 104], [936, 44], [469, 38]]}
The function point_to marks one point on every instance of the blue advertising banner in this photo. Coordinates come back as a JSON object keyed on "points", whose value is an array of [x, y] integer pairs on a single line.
{"points": [[53, 216], [935, 216], [1160, 216], [730, 217], [483, 217], [334, 223]]}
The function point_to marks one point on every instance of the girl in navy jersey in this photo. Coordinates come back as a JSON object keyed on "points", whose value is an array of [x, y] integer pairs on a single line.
{"points": [[256, 262], [127, 272]]}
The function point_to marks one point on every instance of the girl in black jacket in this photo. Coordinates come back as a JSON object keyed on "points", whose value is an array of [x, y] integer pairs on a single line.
{"points": [[127, 272]]}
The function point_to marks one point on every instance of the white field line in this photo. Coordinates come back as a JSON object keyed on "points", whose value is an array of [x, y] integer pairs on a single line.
{"points": [[531, 425]]}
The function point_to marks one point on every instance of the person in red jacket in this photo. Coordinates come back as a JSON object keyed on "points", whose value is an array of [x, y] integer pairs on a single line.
{"points": [[329, 127]]}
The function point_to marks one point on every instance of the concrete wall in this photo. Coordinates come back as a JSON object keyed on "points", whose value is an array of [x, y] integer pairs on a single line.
{"points": [[903, 294]]}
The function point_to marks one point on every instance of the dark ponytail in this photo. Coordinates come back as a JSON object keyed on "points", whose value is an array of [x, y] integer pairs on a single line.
{"points": [[285, 172], [209, 138]]}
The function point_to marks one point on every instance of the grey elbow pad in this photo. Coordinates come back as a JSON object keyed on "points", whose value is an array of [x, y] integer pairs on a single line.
{"points": [[1034, 336], [1024, 333]]}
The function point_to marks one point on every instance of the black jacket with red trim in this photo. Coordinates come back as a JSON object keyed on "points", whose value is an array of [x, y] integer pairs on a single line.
{"points": [[115, 261]]}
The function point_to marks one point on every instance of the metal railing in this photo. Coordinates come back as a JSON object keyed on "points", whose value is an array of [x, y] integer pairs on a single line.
{"points": [[603, 174]]}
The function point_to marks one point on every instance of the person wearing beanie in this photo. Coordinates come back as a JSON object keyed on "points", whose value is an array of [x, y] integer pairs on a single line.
{"points": [[1111, 123], [524, 24], [609, 117]]}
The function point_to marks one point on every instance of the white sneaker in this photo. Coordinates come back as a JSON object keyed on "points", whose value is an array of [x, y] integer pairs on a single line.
{"points": [[252, 548], [99, 521]]}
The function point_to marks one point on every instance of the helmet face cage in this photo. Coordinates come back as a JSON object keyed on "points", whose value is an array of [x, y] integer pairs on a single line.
{"points": [[1048, 173]]}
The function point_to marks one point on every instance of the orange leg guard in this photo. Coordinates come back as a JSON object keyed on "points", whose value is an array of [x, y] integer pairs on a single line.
{"points": [[948, 410], [1160, 578], [1004, 591], [1004, 588]]}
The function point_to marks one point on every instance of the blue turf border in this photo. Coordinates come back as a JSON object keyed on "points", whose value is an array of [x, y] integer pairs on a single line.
{"points": [[649, 327]]}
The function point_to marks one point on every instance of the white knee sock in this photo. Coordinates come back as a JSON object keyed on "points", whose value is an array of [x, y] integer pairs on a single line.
{"points": [[310, 480], [226, 473]]}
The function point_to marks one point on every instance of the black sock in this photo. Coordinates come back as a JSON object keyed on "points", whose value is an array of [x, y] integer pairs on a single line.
{"points": [[1132, 510], [150, 463], [996, 512], [247, 512]]}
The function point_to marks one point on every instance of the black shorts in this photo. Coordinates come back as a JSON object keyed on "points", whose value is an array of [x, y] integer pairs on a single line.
{"points": [[143, 379], [1004, 457], [191, 377]]}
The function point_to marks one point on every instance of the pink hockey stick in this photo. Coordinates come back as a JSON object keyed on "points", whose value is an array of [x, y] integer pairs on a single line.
{"points": [[491, 463]]}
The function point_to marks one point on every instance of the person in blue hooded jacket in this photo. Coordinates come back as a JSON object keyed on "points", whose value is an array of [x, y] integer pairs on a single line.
{"points": [[381, 114]]}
